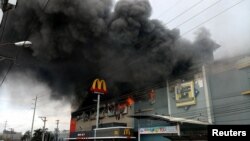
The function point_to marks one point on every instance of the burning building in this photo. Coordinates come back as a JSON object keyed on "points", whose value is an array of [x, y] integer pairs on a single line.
{"points": [[154, 76], [177, 109]]}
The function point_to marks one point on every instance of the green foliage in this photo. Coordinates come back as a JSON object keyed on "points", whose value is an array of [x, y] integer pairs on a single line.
{"points": [[37, 136], [26, 136]]}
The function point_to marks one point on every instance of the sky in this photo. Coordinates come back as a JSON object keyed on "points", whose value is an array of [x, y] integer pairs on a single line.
{"points": [[17, 104], [230, 30]]}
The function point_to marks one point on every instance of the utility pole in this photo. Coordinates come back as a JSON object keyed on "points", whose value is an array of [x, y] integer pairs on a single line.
{"points": [[11, 132], [34, 112], [44, 123], [5, 125], [57, 130]]}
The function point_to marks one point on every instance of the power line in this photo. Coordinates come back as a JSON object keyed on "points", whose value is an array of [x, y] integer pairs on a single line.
{"points": [[170, 8], [135, 61], [228, 113], [212, 17], [33, 19], [234, 120], [4, 23], [5, 75], [233, 110], [199, 13], [18, 51], [184, 12], [10, 66], [221, 107], [238, 107], [45, 5]]}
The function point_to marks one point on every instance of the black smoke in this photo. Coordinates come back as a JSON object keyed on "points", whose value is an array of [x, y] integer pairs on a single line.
{"points": [[76, 41]]}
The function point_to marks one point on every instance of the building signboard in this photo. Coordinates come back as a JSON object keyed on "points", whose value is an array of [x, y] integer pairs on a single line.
{"points": [[159, 130], [184, 94], [99, 87], [105, 132]]}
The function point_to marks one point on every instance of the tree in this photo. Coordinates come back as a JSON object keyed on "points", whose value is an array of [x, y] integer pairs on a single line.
{"points": [[26, 136], [49, 136], [38, 133], [37, 136]]}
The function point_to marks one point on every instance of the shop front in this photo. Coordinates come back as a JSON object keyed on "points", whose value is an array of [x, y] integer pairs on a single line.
{"points": [[105, 134]]}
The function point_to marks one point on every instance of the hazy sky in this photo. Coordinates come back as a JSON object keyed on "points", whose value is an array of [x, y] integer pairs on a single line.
{"points": [[16, 104], [230, 29]]}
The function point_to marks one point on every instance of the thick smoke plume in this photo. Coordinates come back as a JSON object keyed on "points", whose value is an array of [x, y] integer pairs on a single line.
{"points": [[75, 41]]}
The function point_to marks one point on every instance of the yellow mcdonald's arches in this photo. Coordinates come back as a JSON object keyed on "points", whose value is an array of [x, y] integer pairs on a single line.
{"points": [[99, 86], [126, 132]]}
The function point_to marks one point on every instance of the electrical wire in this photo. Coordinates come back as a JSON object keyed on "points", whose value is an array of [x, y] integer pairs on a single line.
{"points": [[18, 51], [199, 24], [47, 1], [4, 23], [185, 11], [170, 8], [241, 119], [143, 92], [237, 107], [212, 17], [5, 75], [33, 20], [199, 13], [135, 61]]}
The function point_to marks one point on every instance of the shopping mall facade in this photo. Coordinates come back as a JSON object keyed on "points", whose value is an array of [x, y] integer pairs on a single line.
{"points": [[213, 93]]}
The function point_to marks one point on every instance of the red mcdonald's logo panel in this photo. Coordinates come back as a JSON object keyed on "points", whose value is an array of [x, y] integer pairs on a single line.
{"points": [[99, 87]]}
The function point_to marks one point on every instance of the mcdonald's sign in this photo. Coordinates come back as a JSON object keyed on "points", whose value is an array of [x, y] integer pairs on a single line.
{"points": [[126, 132], [99, 87]]}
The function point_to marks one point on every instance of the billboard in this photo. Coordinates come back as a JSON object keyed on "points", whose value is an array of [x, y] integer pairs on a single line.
{"points": [[184, 94], [105, 133], [160, 130]]}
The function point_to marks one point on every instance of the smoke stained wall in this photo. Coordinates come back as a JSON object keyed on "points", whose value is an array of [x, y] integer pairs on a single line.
{"points": [[75, 41]]}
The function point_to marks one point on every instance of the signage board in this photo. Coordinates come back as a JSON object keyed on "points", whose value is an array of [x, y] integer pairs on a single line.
{"points": [[99, 87], [159, 130], [184, 94], [105, 132]]}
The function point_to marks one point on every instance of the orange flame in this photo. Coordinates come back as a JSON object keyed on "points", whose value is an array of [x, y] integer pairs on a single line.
{"points": [[130, 101]]}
